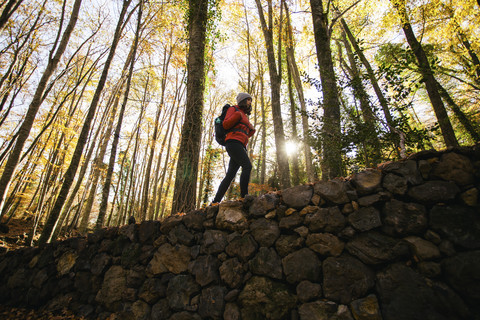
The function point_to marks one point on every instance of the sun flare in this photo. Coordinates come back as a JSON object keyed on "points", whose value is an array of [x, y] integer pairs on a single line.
{"points": [[291, 147]]}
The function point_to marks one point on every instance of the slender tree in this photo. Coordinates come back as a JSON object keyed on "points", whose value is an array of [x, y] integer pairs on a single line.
{"points": [[184, 194], [82, 139], [331, 135], [292, 64], [275, 83], [371, 141], [427, 73], [10, 7], [25, 128], [113, 153]]}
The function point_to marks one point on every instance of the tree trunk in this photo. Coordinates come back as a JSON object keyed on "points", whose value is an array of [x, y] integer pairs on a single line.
{"points": [[462, 117], [331, 135], [66, 208], [184, 195], [82, 139], [159, 211], [27, 124], [466, 43], [8, 10], [275, 82], [263, 170], [166, 64], [373, 79], [294, 139], [290, 52], [113, 153], [428, 77], [372, 144]]}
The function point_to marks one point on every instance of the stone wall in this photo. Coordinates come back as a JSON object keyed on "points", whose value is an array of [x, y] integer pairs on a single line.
{"points": [[400, 242]]}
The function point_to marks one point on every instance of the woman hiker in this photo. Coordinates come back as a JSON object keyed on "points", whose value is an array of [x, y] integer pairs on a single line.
{"points": [[239, 130]]}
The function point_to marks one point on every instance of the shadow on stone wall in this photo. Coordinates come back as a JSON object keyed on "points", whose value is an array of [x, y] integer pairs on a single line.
{"points": [[400, 242]]}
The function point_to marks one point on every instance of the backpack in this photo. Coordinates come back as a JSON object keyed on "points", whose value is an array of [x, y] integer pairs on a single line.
{"points": [[220, 132]]}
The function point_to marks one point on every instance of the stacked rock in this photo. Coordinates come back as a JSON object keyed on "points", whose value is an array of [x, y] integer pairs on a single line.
{"points": [[398, 242]]}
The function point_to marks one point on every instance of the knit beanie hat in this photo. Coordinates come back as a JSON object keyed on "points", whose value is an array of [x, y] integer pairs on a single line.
{"points": [[242, 96]]}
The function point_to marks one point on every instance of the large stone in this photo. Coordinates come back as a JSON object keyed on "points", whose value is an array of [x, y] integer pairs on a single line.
{"points": [[423, 249], [40, 277], [308, 291], [141, 310], [185, 315], [365, 218], [266, 263], [161, 310], [375, 248], [407, 169], [205, 270], [265, 232], [454, 167], [170, 222], [298, 196], [136, 276], [325, 244], [214, 241], [367, 181], [433, 192], [194, 220], [231, 216], [232, 312], [170, 258], [462, 272], [263, 204], [346, 278], [231, 272], [459, 224], [318, 310], [152, 290], [366, 308], [242, 247], [180, 234], [395, 184], [288, 243], [406, 295], [148, 231], [403, 218], [291, 222], [371, 199], [130, 255], [334, 191], [113, 286], [212, 302], [100, 263], [302, 265], [326, 220], [470, 197], [180, 291], [66, 262], [18, 279], [264, 298]]}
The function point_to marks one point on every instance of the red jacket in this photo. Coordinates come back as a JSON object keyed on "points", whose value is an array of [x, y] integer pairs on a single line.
{"points": [[238, 124]]}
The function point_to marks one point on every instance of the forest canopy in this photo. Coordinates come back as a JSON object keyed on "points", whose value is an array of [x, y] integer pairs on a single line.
{"points": [[107, 106]]}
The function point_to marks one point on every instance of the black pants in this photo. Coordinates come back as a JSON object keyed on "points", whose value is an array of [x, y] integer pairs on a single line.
{"points": [[238, 158]]}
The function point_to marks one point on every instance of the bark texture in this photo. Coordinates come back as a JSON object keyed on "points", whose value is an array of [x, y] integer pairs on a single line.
{"points": [[332, 158], [184, 197]]}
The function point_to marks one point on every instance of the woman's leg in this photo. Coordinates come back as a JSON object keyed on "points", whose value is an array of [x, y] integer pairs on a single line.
{"points": [[238, 152], [238, 158], [231, 172]]}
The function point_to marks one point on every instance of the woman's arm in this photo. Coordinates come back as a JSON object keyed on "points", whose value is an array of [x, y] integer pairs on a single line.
{"points": [[231, 118]]}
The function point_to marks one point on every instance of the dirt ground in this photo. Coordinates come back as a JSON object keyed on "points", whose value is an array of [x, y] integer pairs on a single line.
{"points": [[15, 238]]}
